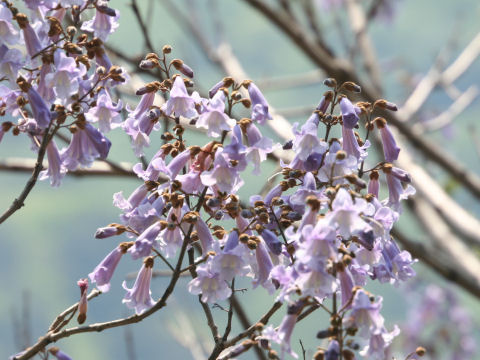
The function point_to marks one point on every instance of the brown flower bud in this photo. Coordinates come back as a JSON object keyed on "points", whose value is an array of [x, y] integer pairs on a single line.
{"points": [[341, 154], [351, 86], [380, 122], [22, 20], [420, 351], [55, 26], [330, 82], [72, 48]]}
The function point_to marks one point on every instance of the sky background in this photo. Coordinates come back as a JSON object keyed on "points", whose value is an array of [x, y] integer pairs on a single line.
{"points": [[48, 245]]}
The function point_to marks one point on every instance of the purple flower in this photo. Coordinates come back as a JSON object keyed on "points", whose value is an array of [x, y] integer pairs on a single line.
{"points": [[223, 175], [373, 184], [104, 23], [390, 148], [229, 265], [350, 144], [87, 144], [259, 147], [32, 42], [105, 112], [365, 314], [259, 104], [65, 80], [180, 103], [204, 235], [215, 88], [139, 297], [397, 265], [346, 285], [333, 351], [346, 213], [210, 284], [379, 341], [143, 244], [8, 33], [396, 192], [308, 188], [350, 113], [171, 238], [11, 60], [236, 150], [307, 142], [214, 118], [56, 171], [40, 110], [262, 267], [103, 273], [272, 241]]}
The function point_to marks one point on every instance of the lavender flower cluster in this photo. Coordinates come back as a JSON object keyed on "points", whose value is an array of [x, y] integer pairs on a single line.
{"points": [[62, 80], [314, 236], [314, 240]]}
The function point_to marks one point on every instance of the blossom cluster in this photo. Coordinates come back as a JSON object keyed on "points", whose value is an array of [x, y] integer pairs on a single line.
{"points": [[320, 233], [63, 80], [314, 239]]}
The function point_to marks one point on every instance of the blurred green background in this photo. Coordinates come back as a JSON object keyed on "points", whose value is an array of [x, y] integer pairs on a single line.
{"points": [[48, 245]]}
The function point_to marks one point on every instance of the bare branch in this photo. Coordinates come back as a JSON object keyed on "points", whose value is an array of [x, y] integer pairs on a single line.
{"points": [[343, 71], [97, 169], [19, 202], [434, 77], [445, 118], [358, 22]]}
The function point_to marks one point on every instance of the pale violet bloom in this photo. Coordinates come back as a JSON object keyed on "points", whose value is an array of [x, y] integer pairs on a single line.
{"points": [[40, 110], [259, 147], [223, 175], [365, 314], [105, 112], [340, 167], [139, 297], [214, 118], [8, 34], [87, 144], [350, 113], [211, 285], [56, 171], [380, 340], [64, 80], [397, 264], [180, 103], [11, 60], [103, 273], [259, 104], [390, 148], [144, 243], [346, 213], [229, 265], [307, 142], [104, 23]]}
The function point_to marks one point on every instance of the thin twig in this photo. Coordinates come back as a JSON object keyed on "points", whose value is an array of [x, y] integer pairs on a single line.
{"points": [[19, 202]]}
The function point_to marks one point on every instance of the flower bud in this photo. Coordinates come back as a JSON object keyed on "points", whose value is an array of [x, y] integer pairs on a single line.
{"points": [[420, 351], [351, 86], [82, 304], [330, 82], [182, 67]]}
